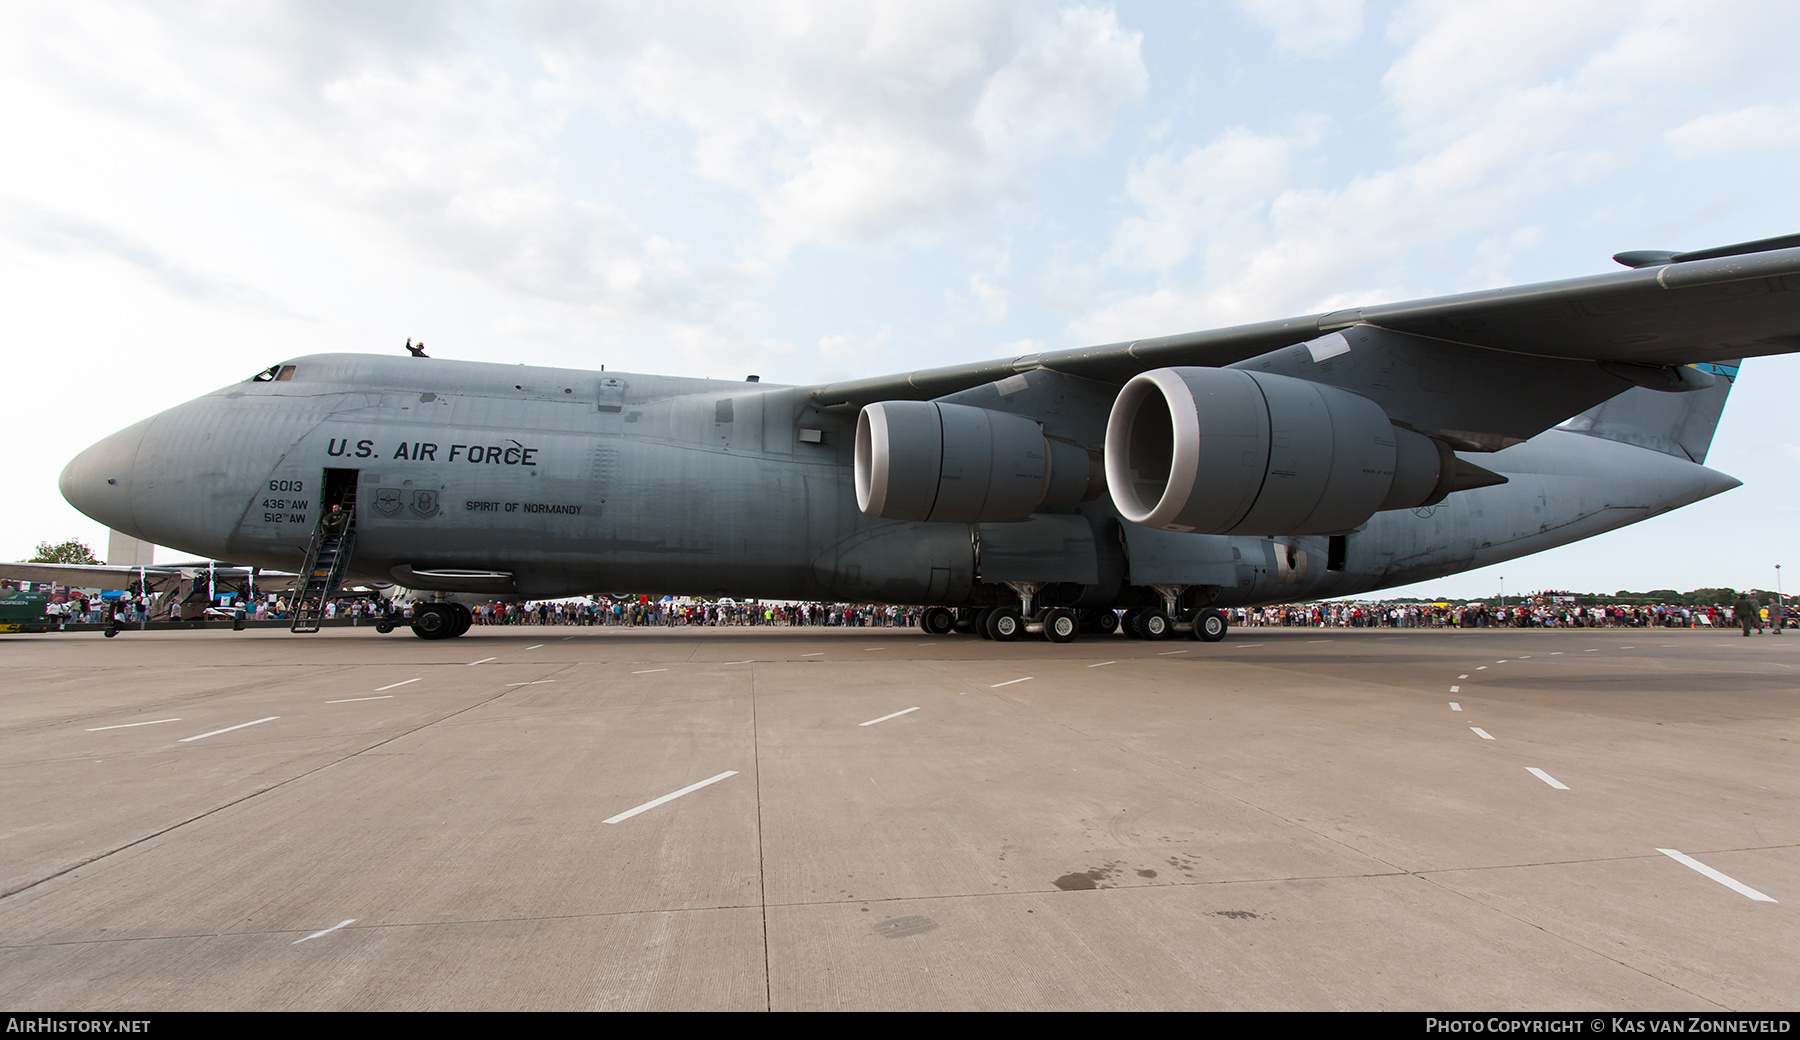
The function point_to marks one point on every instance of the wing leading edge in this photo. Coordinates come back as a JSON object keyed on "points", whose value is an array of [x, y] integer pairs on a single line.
{"points": [[1704, 306]]}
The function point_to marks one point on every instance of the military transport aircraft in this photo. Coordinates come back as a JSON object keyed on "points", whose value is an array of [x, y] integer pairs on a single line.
{"points": [[1312, 457]]}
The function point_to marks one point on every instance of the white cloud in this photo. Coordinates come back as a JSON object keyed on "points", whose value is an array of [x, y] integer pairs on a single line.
{"points": [[1500, 108], [1755, 128], [1308, 28], [993, 299], [443, 151], [847, 353], [1217, 190], [851, 122]]}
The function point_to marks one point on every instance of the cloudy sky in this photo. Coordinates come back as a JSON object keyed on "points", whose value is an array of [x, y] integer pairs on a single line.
{"points": [[810, 191]]}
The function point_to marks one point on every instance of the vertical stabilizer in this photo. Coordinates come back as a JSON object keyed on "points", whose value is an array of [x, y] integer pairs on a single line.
{"points": [[1681, 425]]}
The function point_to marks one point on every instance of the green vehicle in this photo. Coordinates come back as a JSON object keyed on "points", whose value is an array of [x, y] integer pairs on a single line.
{"points": [[24, 612]]}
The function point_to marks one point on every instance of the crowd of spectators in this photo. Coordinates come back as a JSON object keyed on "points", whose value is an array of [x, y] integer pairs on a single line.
{"points": [[677, 613], [1545, 611], [1358, 614]]}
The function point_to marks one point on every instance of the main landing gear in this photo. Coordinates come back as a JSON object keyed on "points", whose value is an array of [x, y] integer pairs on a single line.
{"points": [[441, 620], [1066, 624], [1206, 624]]}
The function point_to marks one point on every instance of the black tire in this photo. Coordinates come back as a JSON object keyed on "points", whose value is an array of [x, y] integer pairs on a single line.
{"points": [[432, 621], [1210, 625], [1130, 624], [1151, 624], [464, 618], [111, 632], [1061, 626], [384, 626], [981, 622], [1005, 625], [938, 621], [1106, 622]]}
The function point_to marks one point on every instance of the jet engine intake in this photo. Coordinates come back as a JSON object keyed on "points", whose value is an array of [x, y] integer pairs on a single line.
{"points": [[1225, 451], [952, 463]]}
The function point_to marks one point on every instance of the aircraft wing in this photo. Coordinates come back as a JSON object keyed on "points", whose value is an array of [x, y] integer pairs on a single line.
{"points": [[1676, 308]]}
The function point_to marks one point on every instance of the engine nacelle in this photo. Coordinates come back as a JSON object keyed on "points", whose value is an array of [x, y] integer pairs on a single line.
{"points": [[1226, 451], [951, 463]]}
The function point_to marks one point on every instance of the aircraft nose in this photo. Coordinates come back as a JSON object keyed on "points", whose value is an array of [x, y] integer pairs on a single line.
{"points": [[98, 481]]}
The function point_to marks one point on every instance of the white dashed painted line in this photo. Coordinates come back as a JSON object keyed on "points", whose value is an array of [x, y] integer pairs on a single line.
{"points": [[1102, 664], [535, 682], [671, 796], [884, 718], [1463, 676], [1482, 733], [1455, 706], [228, 729], [1591, 650], [1547, 778], [1455, 689], [1009, 682], [484, 660], [391, 686], [647, 671], [1481, 667], [538, 647], [1556, 653], [872, 649], [819, 654], [737, 662], [327, 931], [128, 725], [353, 700], [1729, 882], [1165, 653]]}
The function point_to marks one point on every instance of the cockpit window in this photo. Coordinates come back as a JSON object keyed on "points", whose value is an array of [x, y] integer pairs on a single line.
{"points": [[275, 374]]}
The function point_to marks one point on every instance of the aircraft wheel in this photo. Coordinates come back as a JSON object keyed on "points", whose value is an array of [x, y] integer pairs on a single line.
{"points": [[1151, 624], [1106, 621], [1209, 625], [1061, 626], [464, 618], [1005, 625], [981, 622], [1130, 624], [432, 621], [384, 626], [111, 632], [938, 621]]}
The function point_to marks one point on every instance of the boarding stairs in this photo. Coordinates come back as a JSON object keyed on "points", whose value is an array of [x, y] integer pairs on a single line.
{"points": [[327, 558]]}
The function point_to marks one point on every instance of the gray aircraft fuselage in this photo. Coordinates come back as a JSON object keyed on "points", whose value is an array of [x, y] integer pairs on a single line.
{"points": [[546, 482]]}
